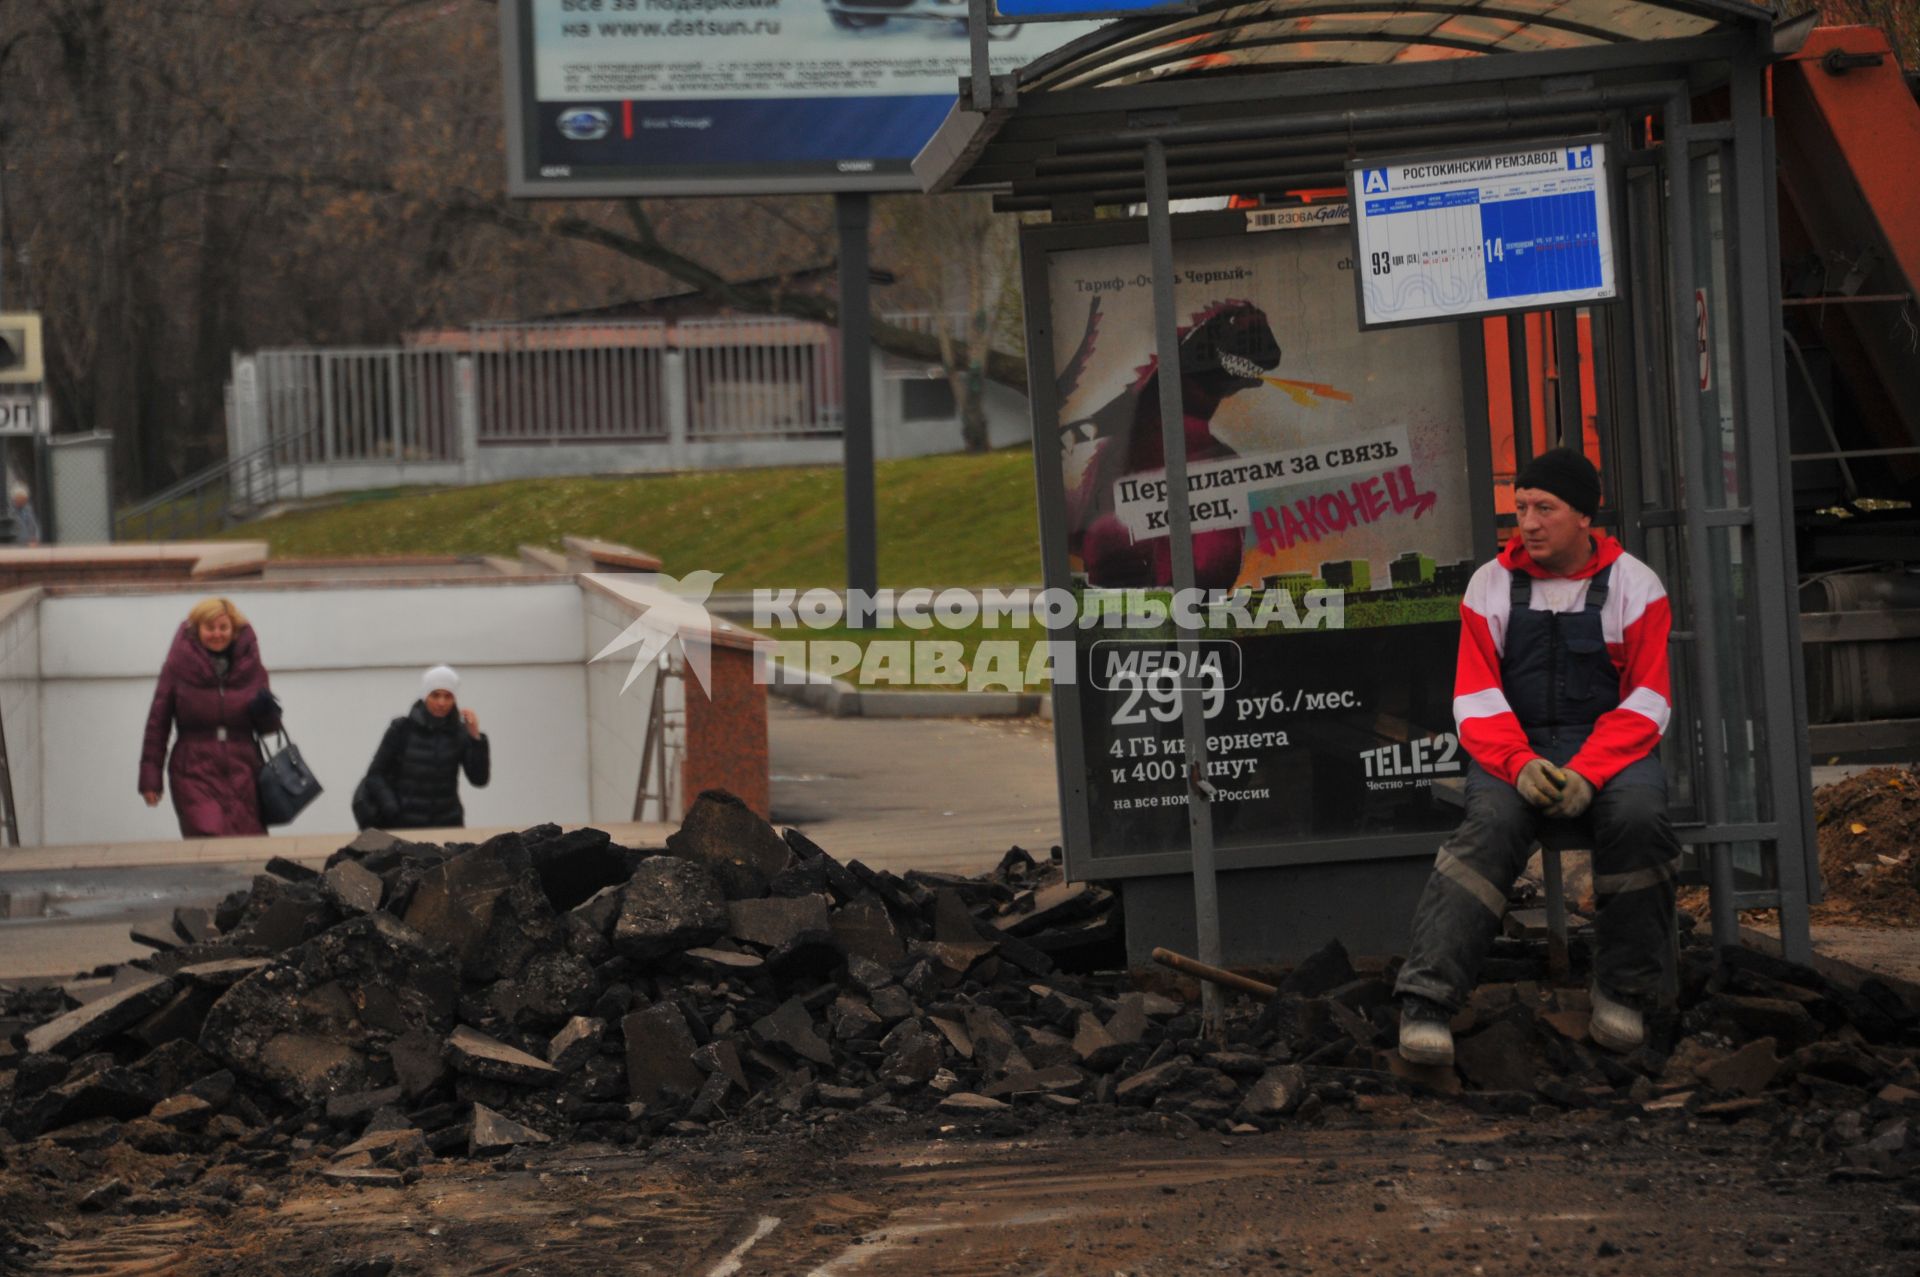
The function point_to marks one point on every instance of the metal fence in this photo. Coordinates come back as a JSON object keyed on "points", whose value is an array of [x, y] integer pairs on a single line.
{"points": [[359, 405], [220, 495], [758, 378], [929, 322], [545, 383], [570, 383]]}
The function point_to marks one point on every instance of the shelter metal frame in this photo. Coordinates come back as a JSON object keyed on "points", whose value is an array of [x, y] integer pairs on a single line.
{"points": [[1255, 98]]}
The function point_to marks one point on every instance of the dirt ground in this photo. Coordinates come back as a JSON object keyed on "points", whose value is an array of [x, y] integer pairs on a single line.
{"points": [[1868, 828], [1869, 832], [1812, 1178], [1411, 1187]]}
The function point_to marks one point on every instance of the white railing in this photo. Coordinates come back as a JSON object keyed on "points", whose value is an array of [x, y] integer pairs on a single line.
{"points": [[570, 383], [755, 378], [356, 405], [929, 322], [578, 381]]}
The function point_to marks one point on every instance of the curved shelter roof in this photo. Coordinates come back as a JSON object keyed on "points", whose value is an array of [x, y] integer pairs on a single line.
{"points": [[1225, 38], [1227, 42]]}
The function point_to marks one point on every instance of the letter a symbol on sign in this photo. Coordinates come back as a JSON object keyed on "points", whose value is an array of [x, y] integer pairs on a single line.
{"points": [[1375, 183]]}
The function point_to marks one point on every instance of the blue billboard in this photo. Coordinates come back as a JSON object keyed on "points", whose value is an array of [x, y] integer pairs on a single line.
{"points": [[1058, 10], [709, 97]]}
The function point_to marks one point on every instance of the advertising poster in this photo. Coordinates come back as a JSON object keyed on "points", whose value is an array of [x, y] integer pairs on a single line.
{"points": [[1328, 492], [711, 96]]}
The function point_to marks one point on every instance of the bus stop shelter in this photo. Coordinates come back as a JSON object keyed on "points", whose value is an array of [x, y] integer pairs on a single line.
{"points": [[1325, 761]]}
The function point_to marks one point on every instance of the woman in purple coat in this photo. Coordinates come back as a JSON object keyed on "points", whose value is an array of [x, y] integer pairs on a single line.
{"points": [[213, 688]]}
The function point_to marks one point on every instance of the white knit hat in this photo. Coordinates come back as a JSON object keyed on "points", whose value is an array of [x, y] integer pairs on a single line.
{"points": [[440, 678]]}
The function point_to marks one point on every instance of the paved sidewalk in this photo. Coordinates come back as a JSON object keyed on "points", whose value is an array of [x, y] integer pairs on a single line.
{"points": [[1848, 955], [937, 794], [915, 793]]}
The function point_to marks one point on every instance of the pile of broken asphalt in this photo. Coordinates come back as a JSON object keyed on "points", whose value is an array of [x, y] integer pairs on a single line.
{"points": [[415, 1003]]}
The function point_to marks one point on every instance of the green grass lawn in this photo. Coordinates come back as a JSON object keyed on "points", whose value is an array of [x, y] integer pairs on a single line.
{"points": [[957, 520]]}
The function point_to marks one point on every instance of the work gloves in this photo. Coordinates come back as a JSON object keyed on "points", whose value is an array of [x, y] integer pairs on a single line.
{"points": [[1560, 792], [1537, 785], [1576, 795]]}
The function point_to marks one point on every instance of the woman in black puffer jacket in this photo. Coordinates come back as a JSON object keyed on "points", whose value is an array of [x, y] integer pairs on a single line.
{"points": [[414, 782]]}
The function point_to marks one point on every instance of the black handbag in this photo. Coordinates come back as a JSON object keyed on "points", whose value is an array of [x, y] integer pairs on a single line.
{"points": [[286, 784], [366, 812]]}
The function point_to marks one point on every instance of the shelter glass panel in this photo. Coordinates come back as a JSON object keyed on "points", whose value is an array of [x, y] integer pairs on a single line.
{"points": [[1328, 489], [1659, 487], [1730, 589]]}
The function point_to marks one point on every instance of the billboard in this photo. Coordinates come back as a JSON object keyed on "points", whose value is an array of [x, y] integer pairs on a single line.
{"points": [[736, 97], [1329, 498], [1067, 10]]}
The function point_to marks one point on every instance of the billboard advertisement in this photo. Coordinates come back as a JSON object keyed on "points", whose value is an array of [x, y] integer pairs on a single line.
{"points": [[718, 97], [1068, 10], [1332, 525]]}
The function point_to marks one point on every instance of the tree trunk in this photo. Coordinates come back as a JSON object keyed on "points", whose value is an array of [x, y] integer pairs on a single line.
{"points": [[973, 408]]}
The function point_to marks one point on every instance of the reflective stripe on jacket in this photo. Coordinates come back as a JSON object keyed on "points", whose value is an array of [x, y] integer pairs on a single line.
{"points": [[1635, 620]]}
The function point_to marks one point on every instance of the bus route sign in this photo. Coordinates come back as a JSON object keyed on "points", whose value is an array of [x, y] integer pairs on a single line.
{"points": [[1443, 237]]}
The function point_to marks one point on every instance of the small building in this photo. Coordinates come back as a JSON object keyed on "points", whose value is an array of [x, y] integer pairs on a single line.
{"points": [[1348, 574], [1411, 569], [1295, 583]]}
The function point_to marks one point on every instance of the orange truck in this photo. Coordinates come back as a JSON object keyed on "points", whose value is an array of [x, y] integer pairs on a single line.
{"points": [[1847, 129]]}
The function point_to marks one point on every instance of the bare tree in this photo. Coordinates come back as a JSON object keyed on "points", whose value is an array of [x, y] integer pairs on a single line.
{"points": [[1900, 19], [184, 178], [965, 256]]}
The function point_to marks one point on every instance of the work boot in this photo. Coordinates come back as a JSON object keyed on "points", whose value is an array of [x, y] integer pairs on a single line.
{"points": [[1425, 1037], [1615, 1025]]}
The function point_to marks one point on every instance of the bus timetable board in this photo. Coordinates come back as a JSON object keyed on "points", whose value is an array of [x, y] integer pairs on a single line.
{"points": [[1446, 236]]}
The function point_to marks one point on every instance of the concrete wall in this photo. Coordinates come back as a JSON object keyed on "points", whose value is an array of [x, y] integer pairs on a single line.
{"points": [[344, 661], [321, 480], [20, 706], [617, 720]]}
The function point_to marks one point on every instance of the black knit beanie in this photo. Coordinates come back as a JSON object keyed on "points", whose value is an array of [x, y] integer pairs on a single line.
{"points": [[1567, 475]]}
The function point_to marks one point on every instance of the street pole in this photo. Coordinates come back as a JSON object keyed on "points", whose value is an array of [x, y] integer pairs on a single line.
{"points": [[850, 216], [1173, 439]]}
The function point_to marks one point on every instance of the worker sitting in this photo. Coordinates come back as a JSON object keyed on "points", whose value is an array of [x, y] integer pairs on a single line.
{"points": [[1561, 697]]}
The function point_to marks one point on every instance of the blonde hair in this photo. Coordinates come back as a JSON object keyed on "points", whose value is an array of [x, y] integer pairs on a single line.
{"points": [[207, 609]]}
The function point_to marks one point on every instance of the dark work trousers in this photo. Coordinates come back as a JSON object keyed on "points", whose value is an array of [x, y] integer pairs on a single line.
{"points": [[1635, 858]]}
